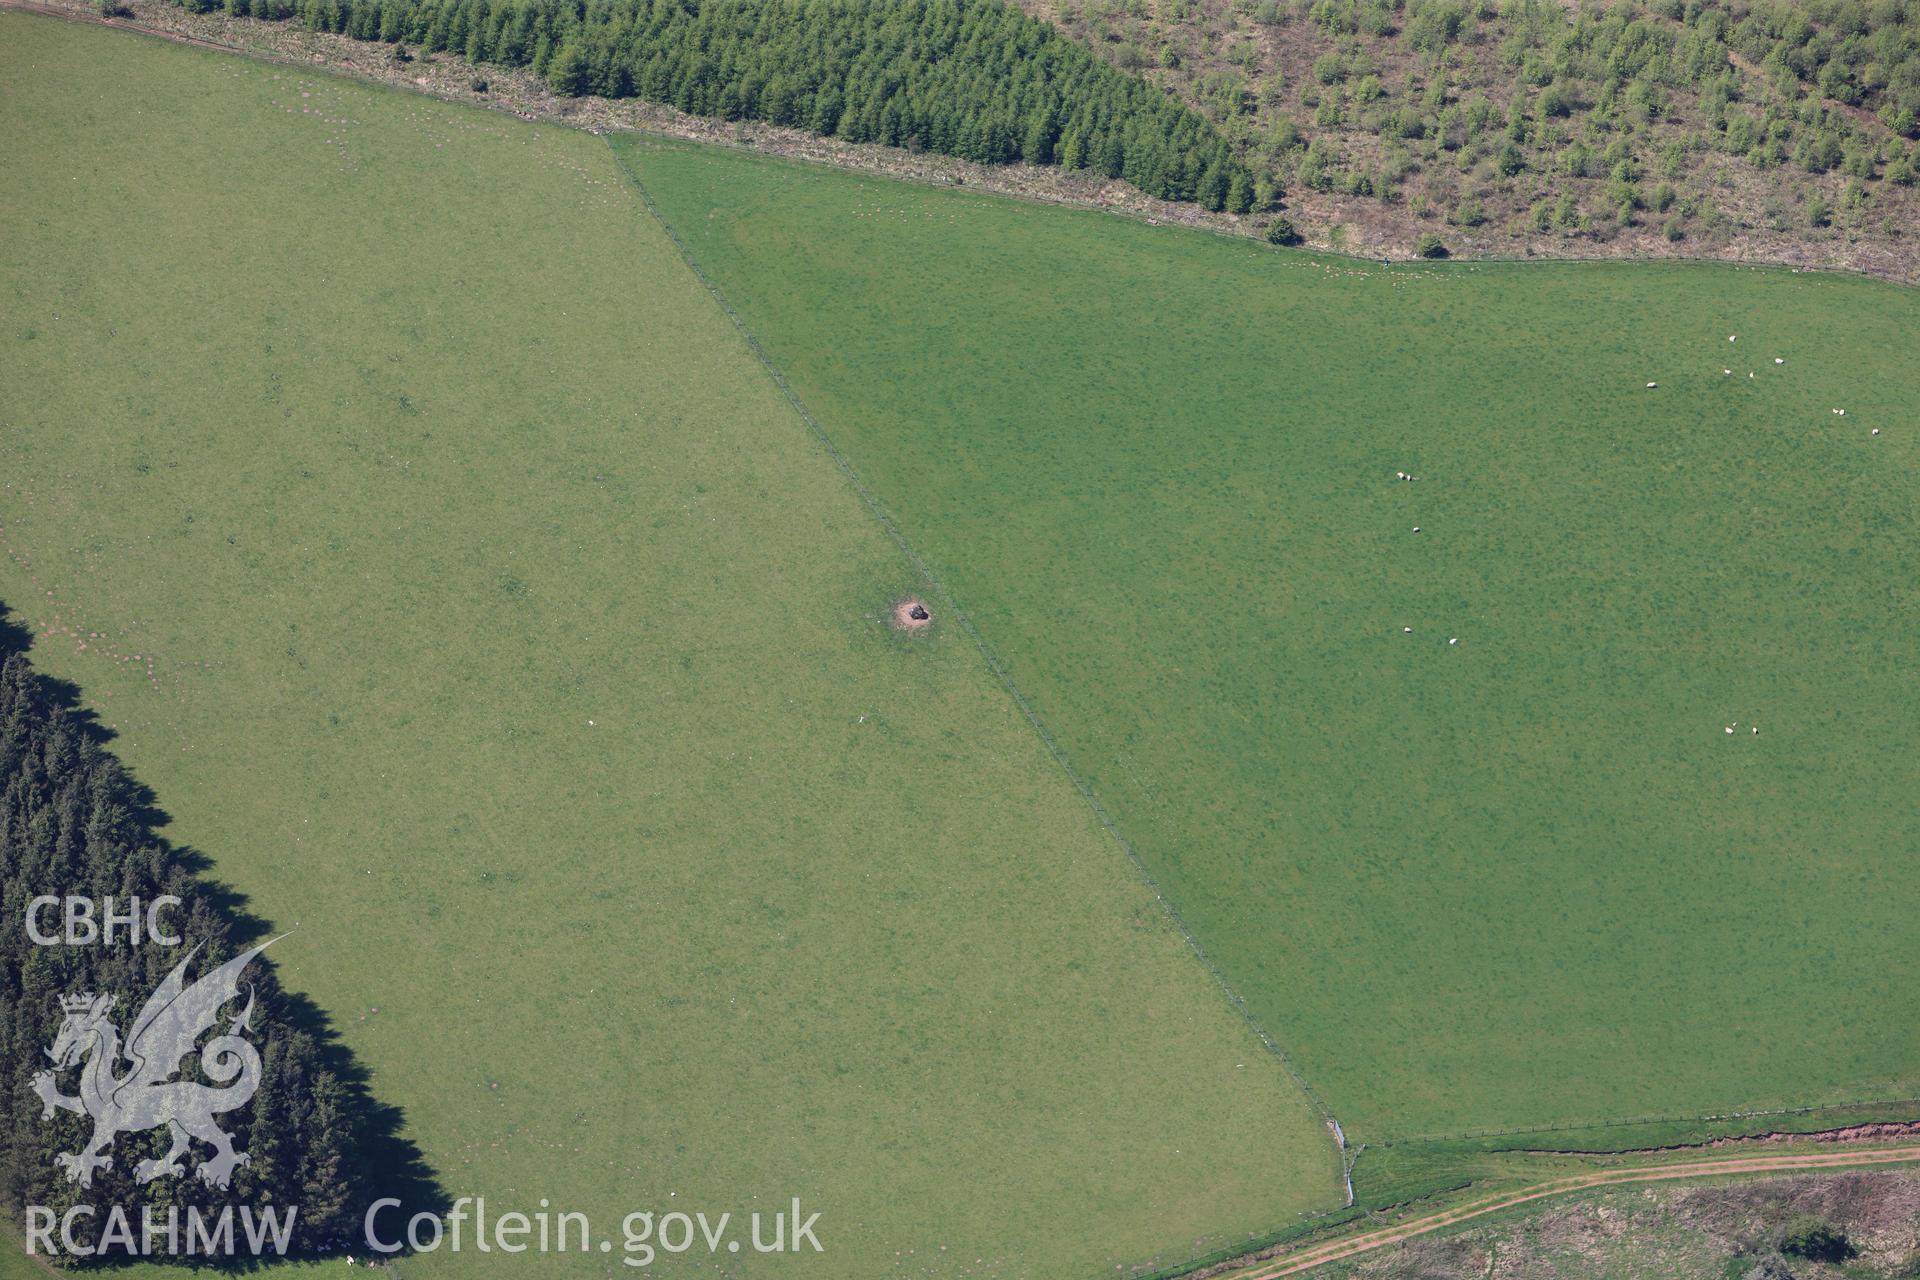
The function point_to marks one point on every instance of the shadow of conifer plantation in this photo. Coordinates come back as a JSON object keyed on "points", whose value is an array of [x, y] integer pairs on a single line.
{"points": [[74, 821]]}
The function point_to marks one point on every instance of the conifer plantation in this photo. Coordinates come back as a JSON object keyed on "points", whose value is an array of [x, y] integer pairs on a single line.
{"points": [[981, 81], [73, 822]]}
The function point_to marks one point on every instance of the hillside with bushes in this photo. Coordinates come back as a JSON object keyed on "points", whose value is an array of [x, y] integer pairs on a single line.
{"points": [[1504, 126]]}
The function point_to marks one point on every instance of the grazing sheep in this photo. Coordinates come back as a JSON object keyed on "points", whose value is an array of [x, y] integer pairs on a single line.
{"points": [[1652, 385], [1778, 360]]}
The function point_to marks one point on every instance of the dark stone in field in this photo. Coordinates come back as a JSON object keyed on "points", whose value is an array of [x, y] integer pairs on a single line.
{"points": [[919, 613]]}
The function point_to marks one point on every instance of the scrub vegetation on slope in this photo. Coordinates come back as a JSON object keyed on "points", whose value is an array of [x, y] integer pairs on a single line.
{"points": [[1615, 127]]}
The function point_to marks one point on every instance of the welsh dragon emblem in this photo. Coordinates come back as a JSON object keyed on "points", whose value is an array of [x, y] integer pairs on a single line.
{"points": [[145, 1094]]}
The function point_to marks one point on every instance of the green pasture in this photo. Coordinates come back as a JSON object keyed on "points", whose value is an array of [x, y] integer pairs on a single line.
{"points": [[474, 603], [1524, 881]]}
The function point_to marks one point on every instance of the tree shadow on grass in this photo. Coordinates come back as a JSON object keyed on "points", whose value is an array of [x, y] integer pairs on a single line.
{"points": [[384, 1164]]}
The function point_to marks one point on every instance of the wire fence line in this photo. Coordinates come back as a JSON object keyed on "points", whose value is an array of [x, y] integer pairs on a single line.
{"points": [[1249, 234], [1723, 1117], [992, 659]]}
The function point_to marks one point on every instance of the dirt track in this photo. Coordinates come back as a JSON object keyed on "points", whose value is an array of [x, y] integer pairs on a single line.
{"points": [[1337, 1250]]}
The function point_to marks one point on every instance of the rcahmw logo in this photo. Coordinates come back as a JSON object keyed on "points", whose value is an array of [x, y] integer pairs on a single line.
{"points": [[132, 1085]]}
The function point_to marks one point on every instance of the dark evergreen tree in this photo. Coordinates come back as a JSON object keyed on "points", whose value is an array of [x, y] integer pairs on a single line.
{"points": [[977, 79], [73, 822]]}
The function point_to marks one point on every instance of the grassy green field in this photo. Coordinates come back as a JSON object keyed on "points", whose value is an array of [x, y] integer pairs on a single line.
{"points": [[471, 598], [1521, 881], [14, 1263]]}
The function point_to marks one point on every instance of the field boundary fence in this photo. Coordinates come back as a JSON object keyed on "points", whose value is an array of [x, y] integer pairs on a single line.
{"points": [[1584, 1126], [1356, 256]]}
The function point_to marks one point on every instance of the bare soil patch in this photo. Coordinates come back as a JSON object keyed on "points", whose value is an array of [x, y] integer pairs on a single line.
{"points": [[912, 615]]}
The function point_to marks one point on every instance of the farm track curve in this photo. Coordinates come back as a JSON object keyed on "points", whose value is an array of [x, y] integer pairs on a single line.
{"points": [[1340, 1250]]}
